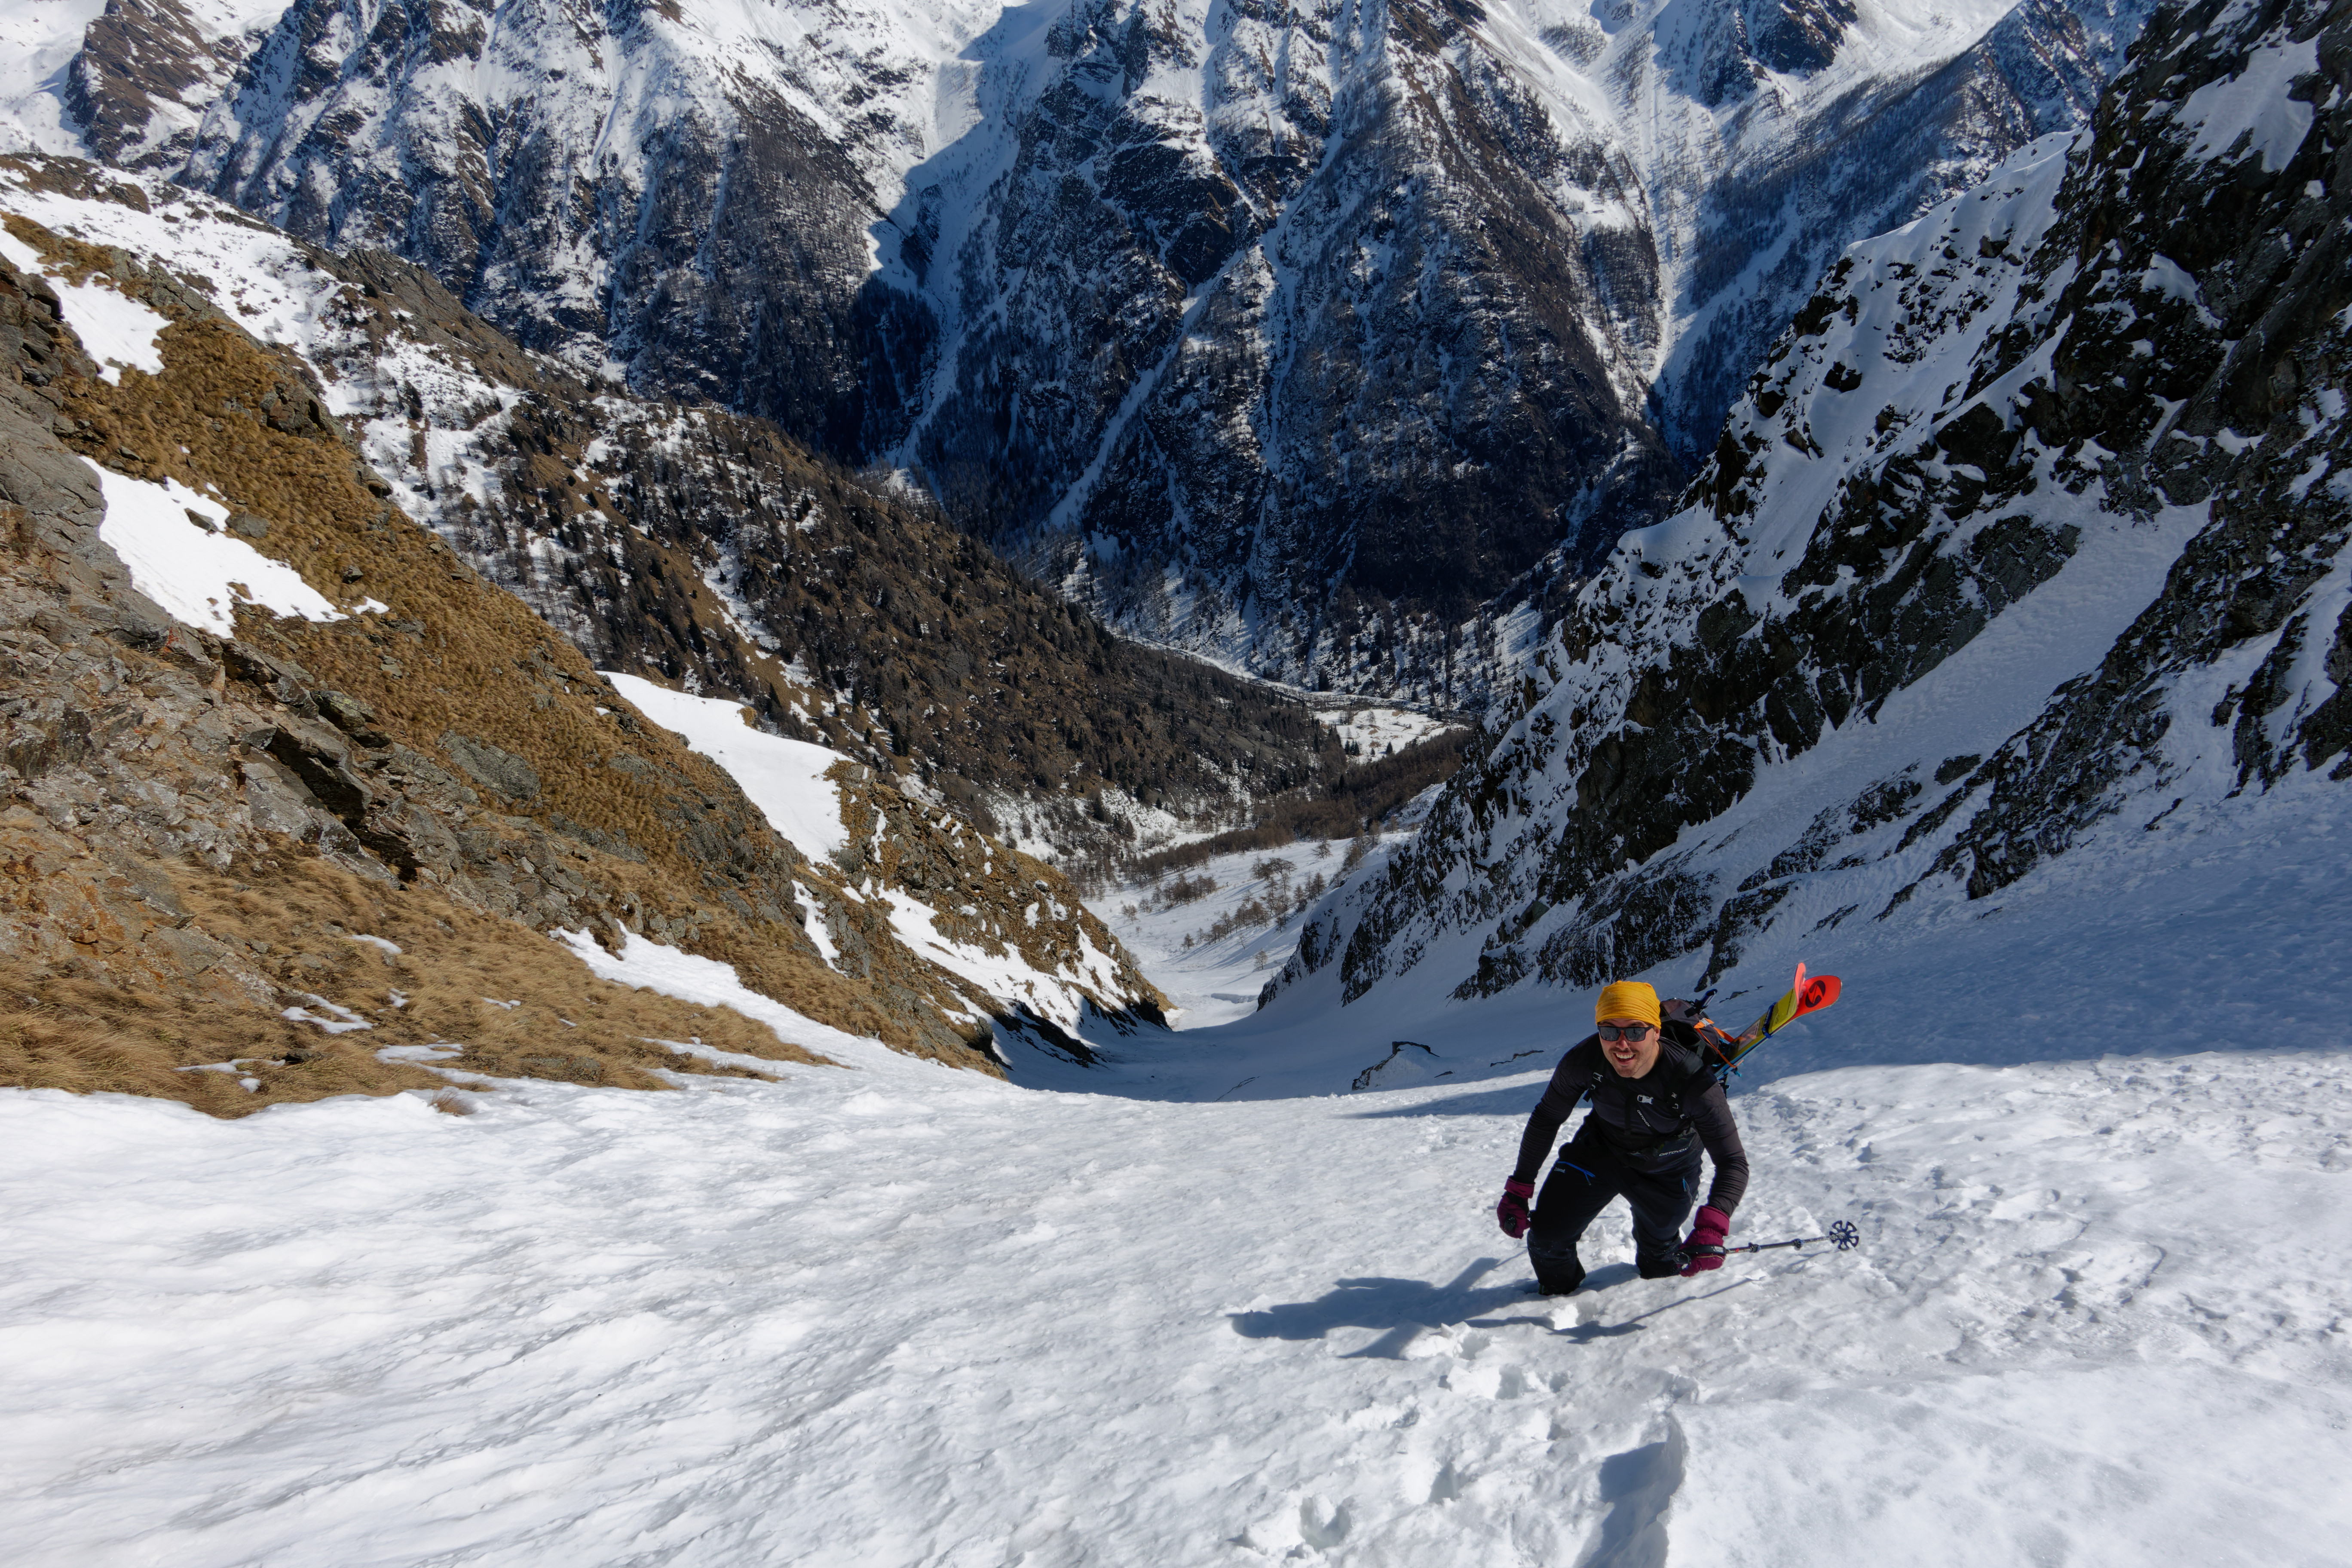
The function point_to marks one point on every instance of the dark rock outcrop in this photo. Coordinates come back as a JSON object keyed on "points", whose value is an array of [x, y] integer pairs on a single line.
{"points": [[2113, 373]]}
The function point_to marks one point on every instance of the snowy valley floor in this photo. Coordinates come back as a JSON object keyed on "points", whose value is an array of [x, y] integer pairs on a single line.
{"points": [[893, 1315]]}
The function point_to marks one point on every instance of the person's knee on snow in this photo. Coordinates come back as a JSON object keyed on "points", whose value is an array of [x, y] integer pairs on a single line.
{"points": [[1655, 1107], [1558, 1272], [1573, 1195]]}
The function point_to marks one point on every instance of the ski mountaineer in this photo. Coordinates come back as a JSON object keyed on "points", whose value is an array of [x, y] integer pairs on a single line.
{"points": [[1653, 1107]]}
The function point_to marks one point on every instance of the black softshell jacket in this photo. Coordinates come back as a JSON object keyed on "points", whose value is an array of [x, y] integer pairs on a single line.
{"points": [[1648, 1122]]}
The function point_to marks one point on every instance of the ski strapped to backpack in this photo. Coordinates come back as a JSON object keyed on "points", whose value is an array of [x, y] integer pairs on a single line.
{"points": [[1721, 1054]]}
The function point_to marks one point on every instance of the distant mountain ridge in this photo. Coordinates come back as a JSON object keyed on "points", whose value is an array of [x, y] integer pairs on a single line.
{"points": [[1301, 336]]}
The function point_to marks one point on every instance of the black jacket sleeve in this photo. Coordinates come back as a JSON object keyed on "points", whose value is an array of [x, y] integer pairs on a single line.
{"points": [[1569, 1082], [1711, 1114]]}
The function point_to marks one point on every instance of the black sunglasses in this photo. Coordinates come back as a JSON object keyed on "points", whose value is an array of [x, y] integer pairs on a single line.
{"points": [[1630, 1032]]}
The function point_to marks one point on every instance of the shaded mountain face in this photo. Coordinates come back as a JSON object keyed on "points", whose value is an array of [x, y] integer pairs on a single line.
{"points": [[1209, 313], [2030, 536], [1386, 318]]}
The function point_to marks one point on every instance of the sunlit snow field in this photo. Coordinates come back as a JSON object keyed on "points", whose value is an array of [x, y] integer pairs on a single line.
{"points": [[2097, 1144]]}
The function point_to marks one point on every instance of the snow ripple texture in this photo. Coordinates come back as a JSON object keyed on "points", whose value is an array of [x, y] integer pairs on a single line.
{"points": [[901, 1316]]}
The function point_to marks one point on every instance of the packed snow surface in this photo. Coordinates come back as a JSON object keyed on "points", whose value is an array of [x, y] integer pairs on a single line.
{"points": [[197, 573], [898, 1315], [890, 1313], [785, 778]]}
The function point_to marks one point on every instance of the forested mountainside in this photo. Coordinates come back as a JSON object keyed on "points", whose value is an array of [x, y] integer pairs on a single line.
{"points": [[2030, 531], [238, 814], [1299, 335]]}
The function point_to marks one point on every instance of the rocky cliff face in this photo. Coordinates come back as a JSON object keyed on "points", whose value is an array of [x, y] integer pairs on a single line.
{"points": [[393, 739], [2080, 428], [1294, 335], [1387, 314]]}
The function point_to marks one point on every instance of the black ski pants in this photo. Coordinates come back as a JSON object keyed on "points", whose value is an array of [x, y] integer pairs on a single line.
{"points": [[1587, 1174]]}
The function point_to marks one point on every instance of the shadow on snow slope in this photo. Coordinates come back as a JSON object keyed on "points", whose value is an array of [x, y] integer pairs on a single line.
{"points": [[1401, 1309], [2149, 943]]}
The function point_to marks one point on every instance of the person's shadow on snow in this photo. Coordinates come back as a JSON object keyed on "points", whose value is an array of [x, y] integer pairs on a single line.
{"points": [[1400, 1308]]}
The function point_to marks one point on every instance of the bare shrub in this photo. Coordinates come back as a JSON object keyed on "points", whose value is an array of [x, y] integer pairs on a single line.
{"points": [[1188, 890]]}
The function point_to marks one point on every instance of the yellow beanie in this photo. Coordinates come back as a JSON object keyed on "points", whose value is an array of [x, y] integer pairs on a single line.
{"points": [[1628, 999]]}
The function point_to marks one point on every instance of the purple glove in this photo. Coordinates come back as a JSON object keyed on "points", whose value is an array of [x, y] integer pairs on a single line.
{"points": [[1708, 1230], [1511, 1214]]}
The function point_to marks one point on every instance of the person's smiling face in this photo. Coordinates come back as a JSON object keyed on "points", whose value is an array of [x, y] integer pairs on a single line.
{"points": [[1631, 1046]]}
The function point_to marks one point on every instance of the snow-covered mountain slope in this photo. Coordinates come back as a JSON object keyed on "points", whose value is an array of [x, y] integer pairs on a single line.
{"points": [[2028, 540], [1000, 921], [895, 1315], [1261, 329], [1818, 125]]}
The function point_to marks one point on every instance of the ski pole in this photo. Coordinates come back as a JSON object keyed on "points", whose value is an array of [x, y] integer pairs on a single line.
{"points": [[1842, 1236]]}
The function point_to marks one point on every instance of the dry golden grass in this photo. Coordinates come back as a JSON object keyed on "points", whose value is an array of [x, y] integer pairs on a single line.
{"points": [[445, 986], [456, 652], [89, 1037], [519, 1003]]}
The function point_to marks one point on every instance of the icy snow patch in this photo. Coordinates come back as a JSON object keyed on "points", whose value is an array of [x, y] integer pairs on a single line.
{"points": [[117, 330], [2253, 104], [785, 779], [198, 577], [342, 1020], [818, 931], [653, 967]]}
